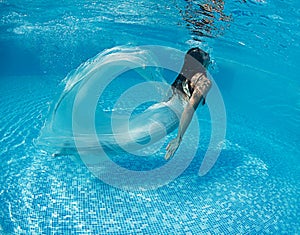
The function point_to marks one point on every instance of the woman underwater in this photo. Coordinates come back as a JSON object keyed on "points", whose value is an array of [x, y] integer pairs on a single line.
{"points": [[192, 85], [188, 90]]}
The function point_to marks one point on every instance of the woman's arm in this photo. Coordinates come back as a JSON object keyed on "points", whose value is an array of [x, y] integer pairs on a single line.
{"points": [[186, 118]]}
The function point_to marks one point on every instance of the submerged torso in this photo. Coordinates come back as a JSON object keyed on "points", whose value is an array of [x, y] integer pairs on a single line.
{"points": [[187, 86]]}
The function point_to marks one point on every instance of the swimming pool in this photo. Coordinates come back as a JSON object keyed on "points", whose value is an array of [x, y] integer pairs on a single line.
{"points": [[254, 186]]}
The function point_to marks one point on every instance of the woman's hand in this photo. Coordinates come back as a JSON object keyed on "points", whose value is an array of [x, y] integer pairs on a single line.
{"points": [[202, 86], [172, 147]]}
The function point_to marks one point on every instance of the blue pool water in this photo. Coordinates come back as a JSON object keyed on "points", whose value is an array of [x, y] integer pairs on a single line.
{"points": [[254, 186]]}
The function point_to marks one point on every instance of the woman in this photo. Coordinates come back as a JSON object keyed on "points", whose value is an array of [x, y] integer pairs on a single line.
{"points": [[193, 85], [189, 89]]}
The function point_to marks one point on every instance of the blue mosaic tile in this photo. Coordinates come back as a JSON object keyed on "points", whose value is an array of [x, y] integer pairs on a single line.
{"points": [[244, 194]]}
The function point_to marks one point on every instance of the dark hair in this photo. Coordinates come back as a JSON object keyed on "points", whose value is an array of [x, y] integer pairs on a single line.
{"points": [[194, 61], [198, 54]]}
